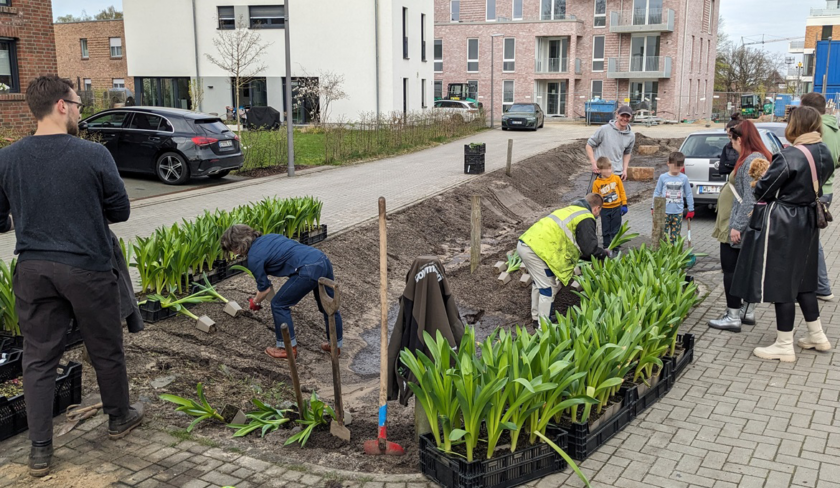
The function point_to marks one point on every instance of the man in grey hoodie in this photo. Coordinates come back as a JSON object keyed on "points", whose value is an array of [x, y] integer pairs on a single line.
{"points": [[614, 141]]}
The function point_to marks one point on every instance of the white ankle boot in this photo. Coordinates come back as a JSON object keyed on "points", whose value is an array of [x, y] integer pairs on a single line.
{"points": [[782, 349], [815, 338]]}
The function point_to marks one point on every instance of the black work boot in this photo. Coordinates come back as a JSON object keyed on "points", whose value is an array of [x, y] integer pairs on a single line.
{"points": [[120, 426], [40, 458]]}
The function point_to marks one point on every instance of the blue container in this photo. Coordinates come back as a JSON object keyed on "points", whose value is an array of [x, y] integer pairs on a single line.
{"points": [[600, 111], [782, 100]]}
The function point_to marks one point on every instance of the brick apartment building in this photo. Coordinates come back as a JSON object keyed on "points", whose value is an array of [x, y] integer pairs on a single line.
{"points": [[27, 50], [655, 54], [92, 54]]}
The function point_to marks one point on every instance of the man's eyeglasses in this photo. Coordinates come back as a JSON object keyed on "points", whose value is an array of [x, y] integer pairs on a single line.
{"points": [[78, 104]]}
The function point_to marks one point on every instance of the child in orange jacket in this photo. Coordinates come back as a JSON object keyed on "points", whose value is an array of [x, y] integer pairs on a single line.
{"points": [[611, 189]]}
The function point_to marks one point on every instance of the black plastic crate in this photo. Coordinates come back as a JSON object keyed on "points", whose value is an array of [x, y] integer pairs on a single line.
{"points": [[681, 361], [654, 393], [152, 312], [229, 273], [12, 367], [507, 470], [474, 165], [472, 151], [68, 391], [313, 236], [74, 335], [11, 340], [583, 441]]}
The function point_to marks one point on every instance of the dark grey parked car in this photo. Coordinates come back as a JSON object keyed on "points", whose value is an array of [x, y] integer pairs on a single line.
{"points": [[523, 116], [171, 143]]}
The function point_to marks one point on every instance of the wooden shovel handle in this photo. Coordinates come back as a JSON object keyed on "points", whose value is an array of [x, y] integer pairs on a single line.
{"points": [[383, 302], [287, 341]]}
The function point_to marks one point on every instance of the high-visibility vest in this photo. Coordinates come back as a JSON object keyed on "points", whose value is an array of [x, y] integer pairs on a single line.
{"points": [[552, 238]]}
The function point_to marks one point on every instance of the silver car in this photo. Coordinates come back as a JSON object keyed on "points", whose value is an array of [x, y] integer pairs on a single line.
{"points": [[702, 161]]}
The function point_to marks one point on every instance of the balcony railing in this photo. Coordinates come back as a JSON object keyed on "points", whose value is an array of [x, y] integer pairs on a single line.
{"points": [[642, 20], [796, 45], [539, 18], [552, 65], [825, 12], [639, 67]]}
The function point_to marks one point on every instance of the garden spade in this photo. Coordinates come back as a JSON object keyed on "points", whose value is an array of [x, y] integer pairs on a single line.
{"points": [[287, 341], [381, 445], [330, 305]]}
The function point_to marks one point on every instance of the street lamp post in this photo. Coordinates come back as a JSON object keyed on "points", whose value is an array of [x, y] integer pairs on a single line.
{"points": [[290, 131], [827, 62], [492, 82]]}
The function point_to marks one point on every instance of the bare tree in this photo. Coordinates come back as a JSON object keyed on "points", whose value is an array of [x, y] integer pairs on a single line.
{"points": [[196, 93], [319, 92], [240, 50]]}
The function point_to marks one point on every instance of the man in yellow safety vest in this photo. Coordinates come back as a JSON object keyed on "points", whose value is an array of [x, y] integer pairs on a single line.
{"points": [[550, 250]]}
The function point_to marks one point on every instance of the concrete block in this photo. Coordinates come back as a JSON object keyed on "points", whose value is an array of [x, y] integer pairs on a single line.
{"points": [[639, 174], [523, 268], [648, 150], [500, 266], [232, 308], [504, 278], [577, 271], [205, 324], [575, 286], [525, 280]]}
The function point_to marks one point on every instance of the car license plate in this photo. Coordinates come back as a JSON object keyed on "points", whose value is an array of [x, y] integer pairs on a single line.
{"points": [[517, 122], [709, 189], [225, 143]]}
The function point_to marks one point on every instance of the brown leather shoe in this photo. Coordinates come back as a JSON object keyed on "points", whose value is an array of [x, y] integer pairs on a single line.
{"points": [[280, 353], [325, 346]]}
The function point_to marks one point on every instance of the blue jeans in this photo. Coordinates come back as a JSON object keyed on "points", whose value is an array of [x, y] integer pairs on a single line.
{"points": [[298, 286], [610, 224], [823, 285]]}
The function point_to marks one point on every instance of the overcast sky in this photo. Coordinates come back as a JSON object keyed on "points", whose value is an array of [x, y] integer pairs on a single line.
{"points": [[747, 18]]}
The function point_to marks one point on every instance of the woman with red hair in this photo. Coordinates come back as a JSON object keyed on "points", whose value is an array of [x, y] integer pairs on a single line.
{"points": [[747, 141]]}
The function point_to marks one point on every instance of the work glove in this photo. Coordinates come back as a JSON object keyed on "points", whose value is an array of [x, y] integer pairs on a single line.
{"points": [[689, 215], [254, 305], [623, 210]]}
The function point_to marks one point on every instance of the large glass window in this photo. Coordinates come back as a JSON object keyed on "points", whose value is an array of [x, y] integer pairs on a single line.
{"points": [[438, 55], [491, 10], [507, 94], [600, 13], [598, 53], [517, 9], [455, 10], [422, 37], [438, 89], [267, 16], [116, 47], [84, 46], [472, 55], [646, 12], [405, 32], [509, 63], [164, 92], [826, 32], [643, 95], [644, 53], [8, 66], [553, 9], [227, 19], [597, 89]]}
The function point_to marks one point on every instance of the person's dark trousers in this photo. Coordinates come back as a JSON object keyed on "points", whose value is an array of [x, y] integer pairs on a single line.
{"points": [[728, 260], [823, 283], [610, 224], [47, 295], [296, 287], [786, 312]]}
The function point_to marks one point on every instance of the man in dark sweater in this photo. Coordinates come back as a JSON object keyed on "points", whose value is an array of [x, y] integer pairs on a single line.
{"points": [[61, 192]]}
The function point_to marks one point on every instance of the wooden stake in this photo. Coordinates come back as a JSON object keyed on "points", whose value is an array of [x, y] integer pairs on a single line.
{"points": [[475, 237], [509, 156], [658, 221]]}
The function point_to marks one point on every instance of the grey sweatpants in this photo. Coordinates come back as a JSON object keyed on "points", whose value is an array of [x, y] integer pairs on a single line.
{"points": [[545, 285]]}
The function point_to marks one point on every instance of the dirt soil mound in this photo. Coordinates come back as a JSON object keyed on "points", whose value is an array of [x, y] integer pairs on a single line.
{"points": [[232, 365]]}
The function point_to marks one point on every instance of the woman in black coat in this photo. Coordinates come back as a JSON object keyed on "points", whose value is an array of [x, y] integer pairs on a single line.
{"points": [[778, 260]]}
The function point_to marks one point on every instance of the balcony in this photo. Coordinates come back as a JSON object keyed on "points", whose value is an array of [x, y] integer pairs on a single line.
{"points": [[796, 47], [639, 68], [825, 12], [793, 74], [642, 20], [552, 65]]}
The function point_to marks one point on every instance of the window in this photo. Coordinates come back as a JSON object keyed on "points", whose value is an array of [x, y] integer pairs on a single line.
{"points": [[5, 3], [113, 119], [697, 98], [118, 83], [116, 47], [708, 49], [700, 58], [598, 53], [143, 121], [83, 44], [597, 89], [472, 55], [405, 97], [517, 9], [423, 93], [507, 94], [422, 37], [643, 96], [644, 53], [9, 65], [455, 11], [647, 12], [438, 89], [553, 10], [826, 32], [438, 55], [87, 84], [164, 92], [405, 32], [472, 90], [691, 56], [600, 13], [509, 63], [491, 10], [267, 16], [227, 19]]}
